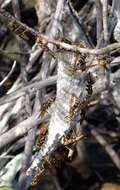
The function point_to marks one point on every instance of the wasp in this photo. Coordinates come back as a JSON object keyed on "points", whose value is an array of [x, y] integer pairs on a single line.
{"points": [[76, 107], [73, 109], [104, 61], [71, 71], [16, 26], [46, 105], [79, 64], [89, 84], [70, 116], [68, 141], [48, 168], [81, 59], [83, 106], [41, 137], [43, 44], [22, 30], [40, 174], [18, 29], [86, 103]]}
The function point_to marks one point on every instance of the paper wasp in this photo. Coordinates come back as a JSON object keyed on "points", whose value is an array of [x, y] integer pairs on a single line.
{"points": [[18, 29], [104, 61], [48, 169], [89, 84], [46, 105], [24, 31], [75, 108], [40, 174], [41, 136], [69, 142], [79, 63]]}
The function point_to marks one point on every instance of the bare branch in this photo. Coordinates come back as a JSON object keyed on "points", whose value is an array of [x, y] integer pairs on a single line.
{"points": [[99, 19], [111, 152], [62, 45], [9, 74], [18, 131], [20, 92], [105, 20]]}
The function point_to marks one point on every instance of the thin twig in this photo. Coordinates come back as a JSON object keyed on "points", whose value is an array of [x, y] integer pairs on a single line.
{"points": [[56, 183], [9, 74], [111, 152], [52, 34], [59, 44], [105, 21], [19, 130], [99, 19], [76, 18], [6, 156], [20, 92], [106, 37], [24, 58], [5, 52]]}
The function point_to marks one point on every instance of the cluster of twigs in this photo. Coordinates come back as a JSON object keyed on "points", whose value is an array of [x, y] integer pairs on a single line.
{"points": [[54, 87]]}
